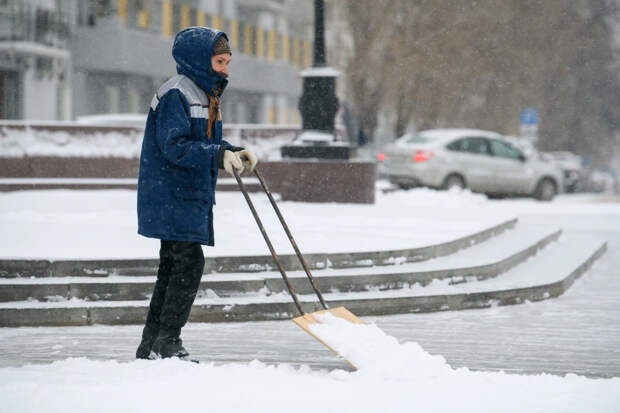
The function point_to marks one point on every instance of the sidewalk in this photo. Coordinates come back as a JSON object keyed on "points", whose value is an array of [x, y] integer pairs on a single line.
{"points": [[578, 332]]}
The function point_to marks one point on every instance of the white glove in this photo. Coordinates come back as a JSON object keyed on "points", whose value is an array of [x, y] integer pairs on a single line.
{"points": [[249, 159], [231, 160]]}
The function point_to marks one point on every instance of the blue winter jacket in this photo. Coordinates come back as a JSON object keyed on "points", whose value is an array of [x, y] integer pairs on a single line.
{"points": [[179, 162]]}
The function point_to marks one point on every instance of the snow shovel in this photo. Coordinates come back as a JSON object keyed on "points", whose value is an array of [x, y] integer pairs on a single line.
{"points": [[305, 320]]}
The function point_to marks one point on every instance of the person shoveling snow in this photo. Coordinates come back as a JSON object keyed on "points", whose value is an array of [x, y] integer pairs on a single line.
{"points": [[182, 151]]}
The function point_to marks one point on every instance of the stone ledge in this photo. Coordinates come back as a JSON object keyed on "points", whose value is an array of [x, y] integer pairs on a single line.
{"points": [[37, 184]]}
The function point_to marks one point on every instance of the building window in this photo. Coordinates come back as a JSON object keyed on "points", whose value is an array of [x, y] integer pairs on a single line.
{"points": [[63, 101], [216, 22], [176, 18], [285, 48], [252, 114], [185, 17], [246, 39], [296, 52], [143, 13], [167, 18], [10, 102], [112, 99], [103, 8], [307, 57], [86, 13], [134, 100], [122, 10], [271, 45], [234, 34], [200, 18], [260, 42]]}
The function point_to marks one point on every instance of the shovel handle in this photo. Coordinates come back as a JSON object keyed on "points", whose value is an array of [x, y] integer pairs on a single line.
{"points": [[266, 237], [291, 239]]}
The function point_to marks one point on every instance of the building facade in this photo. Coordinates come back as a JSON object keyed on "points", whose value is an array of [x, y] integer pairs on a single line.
{"points": [[62, 59]]}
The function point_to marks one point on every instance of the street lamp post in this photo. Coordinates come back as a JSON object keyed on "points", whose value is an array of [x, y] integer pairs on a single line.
{"points": [[318, 104], [319, 34]]}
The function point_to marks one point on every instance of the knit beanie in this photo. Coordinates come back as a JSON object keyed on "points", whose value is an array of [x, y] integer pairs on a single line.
{"points": [[221, 46]]}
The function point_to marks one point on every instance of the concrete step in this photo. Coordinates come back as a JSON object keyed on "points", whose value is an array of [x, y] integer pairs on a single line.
{"points": [[482, 261], [544, 276], [247, 264]]}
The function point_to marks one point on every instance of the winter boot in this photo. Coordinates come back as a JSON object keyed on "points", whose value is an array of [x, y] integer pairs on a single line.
{"points": [[169, 344], [149, 334]]}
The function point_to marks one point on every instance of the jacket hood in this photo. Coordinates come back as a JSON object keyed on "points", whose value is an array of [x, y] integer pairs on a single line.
{"points": [[192, 50]]}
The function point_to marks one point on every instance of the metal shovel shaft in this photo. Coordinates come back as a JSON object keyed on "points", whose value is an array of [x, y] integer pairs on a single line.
{"points": [[266, 237], [291, 239]]}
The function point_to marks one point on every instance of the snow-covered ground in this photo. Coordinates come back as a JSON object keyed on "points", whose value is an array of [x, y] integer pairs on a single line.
{"points": [[102, 224], [67, 224], [392, 375]]}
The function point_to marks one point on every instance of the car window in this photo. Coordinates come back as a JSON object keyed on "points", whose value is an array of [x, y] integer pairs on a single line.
{"points": [[417, 139], [473, 145], [455, 146], [505, 150]]}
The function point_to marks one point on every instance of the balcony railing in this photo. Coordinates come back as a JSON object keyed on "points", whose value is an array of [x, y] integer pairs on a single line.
{"points": [[23, 21]]}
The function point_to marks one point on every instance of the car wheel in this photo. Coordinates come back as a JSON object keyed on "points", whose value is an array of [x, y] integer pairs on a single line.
{"points": [[545, 190], [453, 181]]}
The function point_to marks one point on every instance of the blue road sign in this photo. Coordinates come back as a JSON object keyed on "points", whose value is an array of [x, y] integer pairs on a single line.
{"points": [[529, 116]]}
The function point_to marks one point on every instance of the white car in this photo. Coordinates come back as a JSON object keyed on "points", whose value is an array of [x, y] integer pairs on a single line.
{"points": [[482, 161]]}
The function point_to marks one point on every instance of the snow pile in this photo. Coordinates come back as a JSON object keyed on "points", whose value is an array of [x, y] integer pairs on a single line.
{"points": [[17, 142], [29, 142], [381, 359], [134, 120], [392, 377], [374, 352]]}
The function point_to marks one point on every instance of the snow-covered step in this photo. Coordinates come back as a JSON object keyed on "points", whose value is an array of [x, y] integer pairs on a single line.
{"points": [[476, 263], [482, 261], [548, 274], [254, 263], [113, 288]]}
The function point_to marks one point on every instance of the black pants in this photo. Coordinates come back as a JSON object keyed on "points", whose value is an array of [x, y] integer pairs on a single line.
{"points": [[181, 264]]}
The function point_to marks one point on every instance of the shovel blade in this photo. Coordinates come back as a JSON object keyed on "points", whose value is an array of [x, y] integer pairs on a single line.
{"points": [[307, 320]]}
